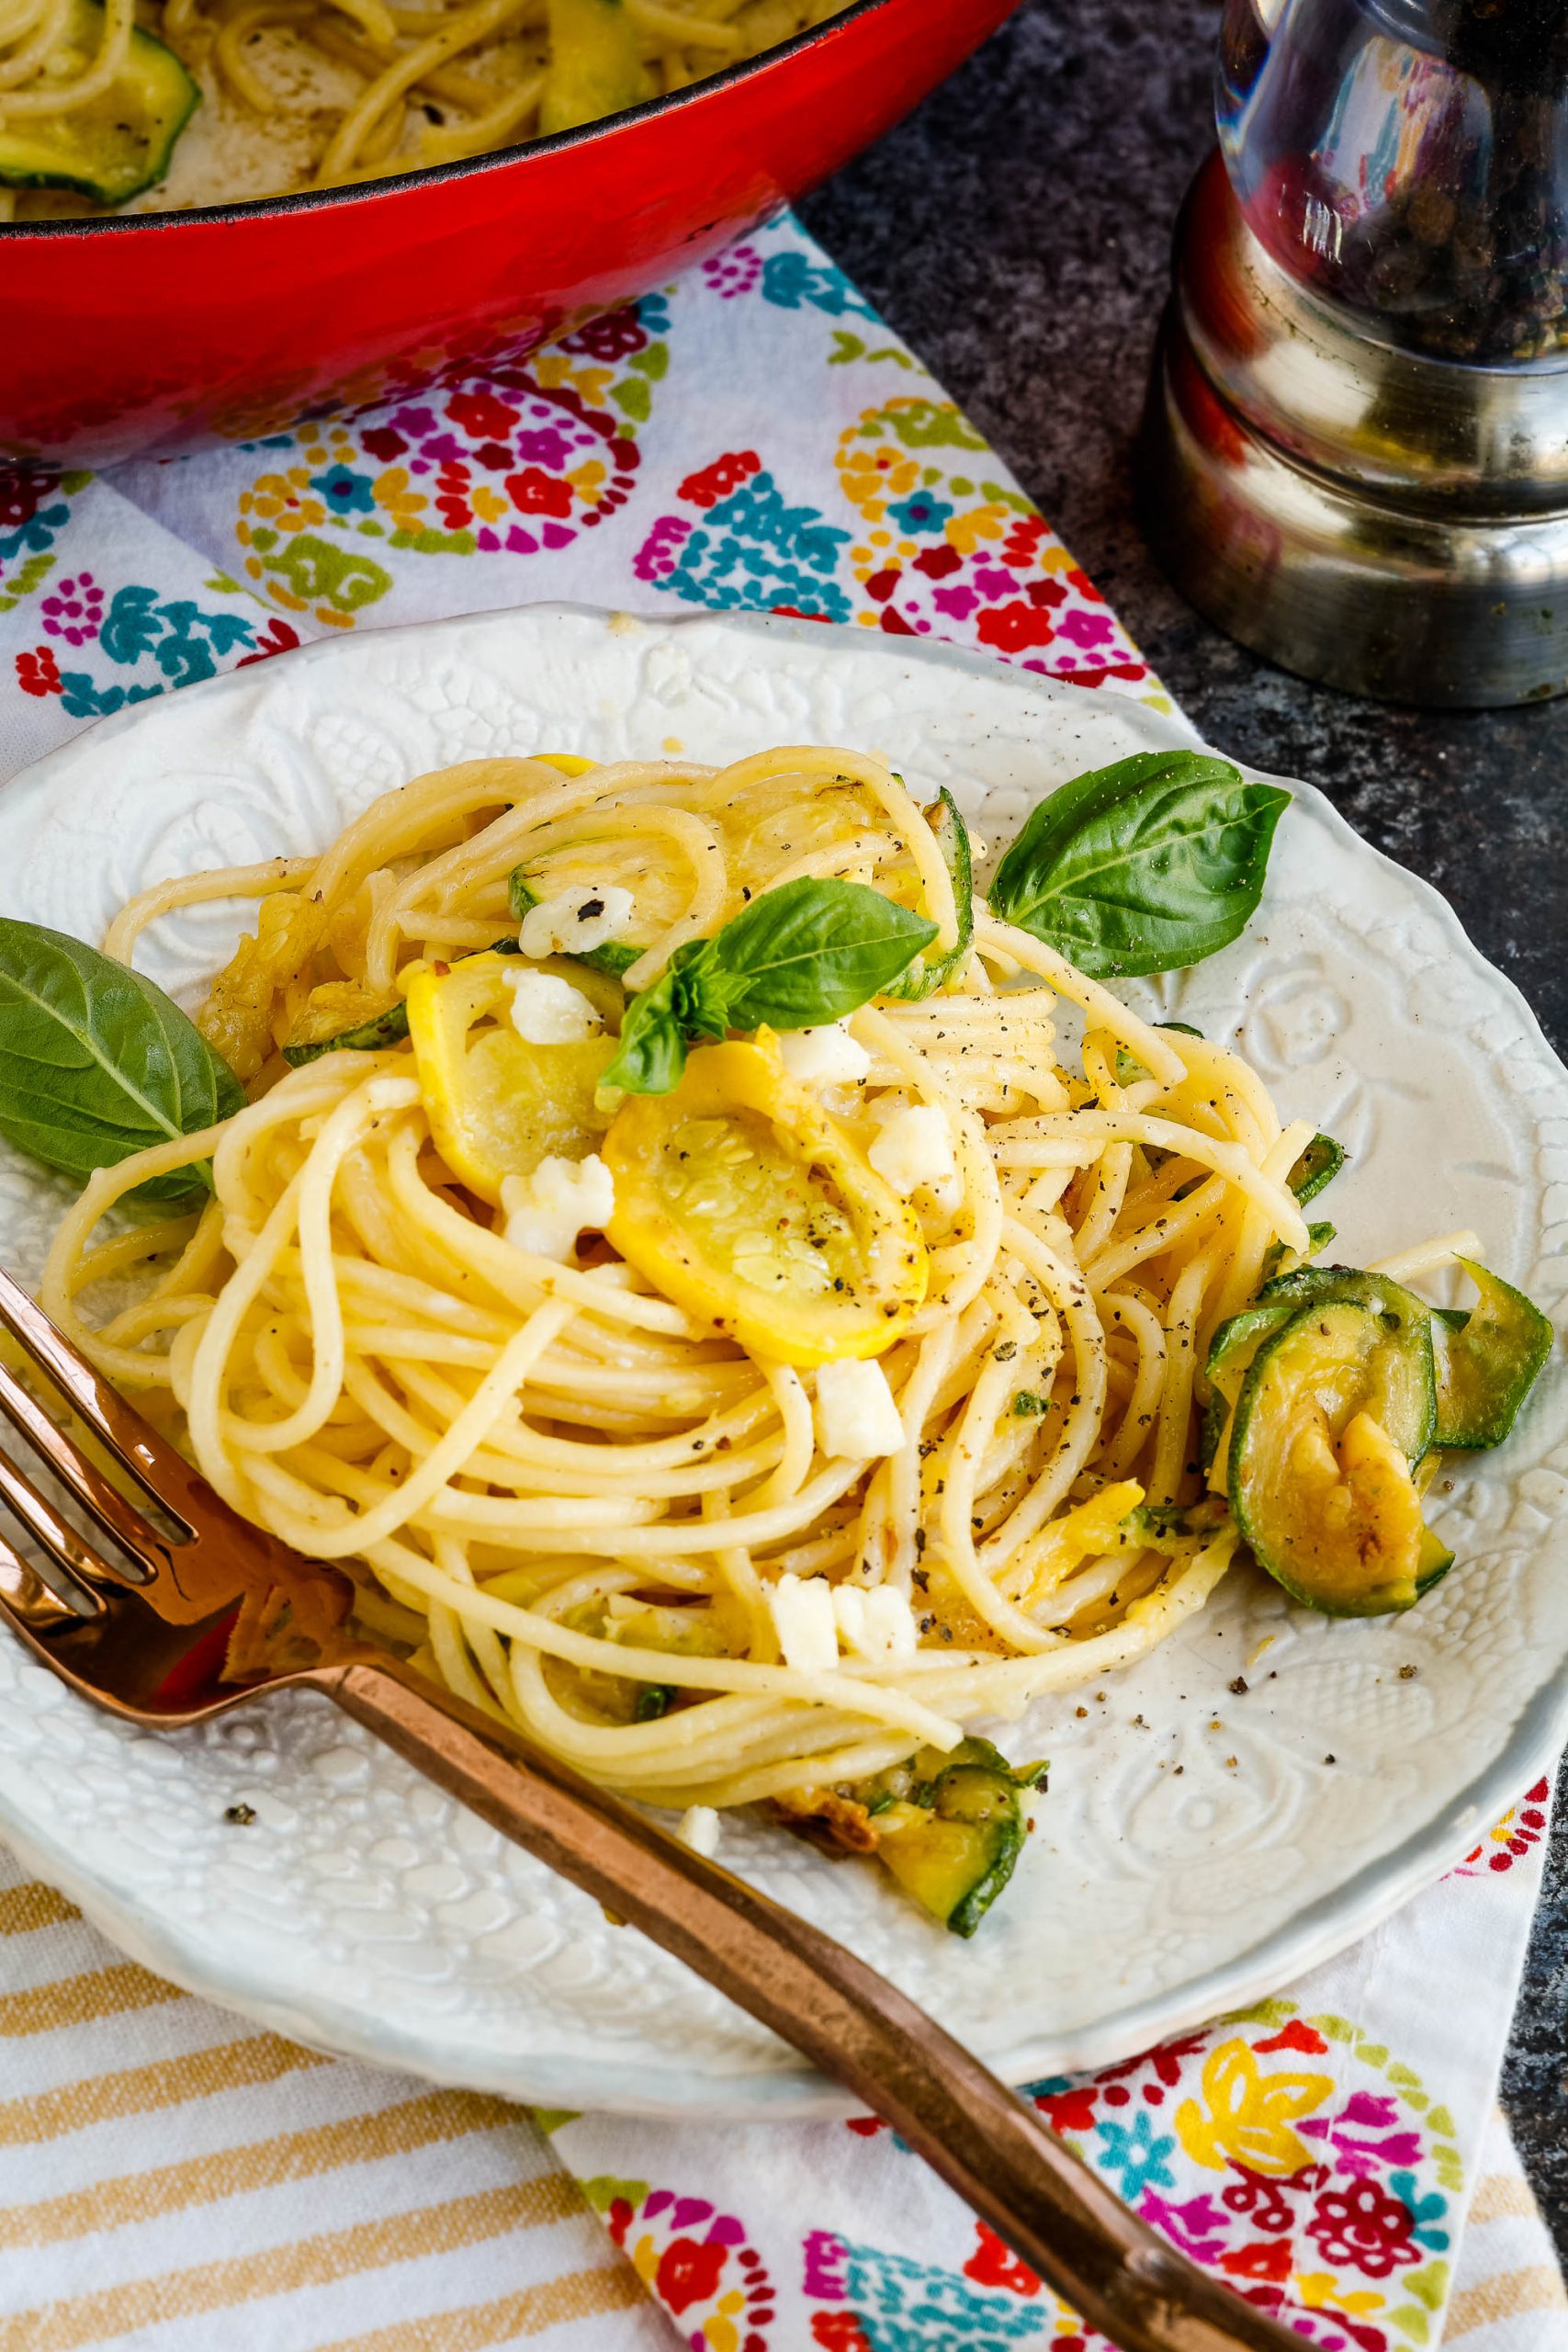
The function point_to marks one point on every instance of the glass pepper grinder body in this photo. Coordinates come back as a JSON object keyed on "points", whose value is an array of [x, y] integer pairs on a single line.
{"points": [[1410, 157], [1372, 293]]}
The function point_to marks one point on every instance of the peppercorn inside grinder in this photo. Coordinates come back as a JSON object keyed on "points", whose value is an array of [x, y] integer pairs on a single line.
{"points": [[1354, 454]]}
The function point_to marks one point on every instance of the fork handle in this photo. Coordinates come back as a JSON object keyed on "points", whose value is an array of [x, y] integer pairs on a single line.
{"points": [[981, 2137]]}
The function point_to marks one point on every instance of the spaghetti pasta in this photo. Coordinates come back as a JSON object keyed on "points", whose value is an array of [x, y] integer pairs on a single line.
{"points": [[319, 93], [564, 1492]]}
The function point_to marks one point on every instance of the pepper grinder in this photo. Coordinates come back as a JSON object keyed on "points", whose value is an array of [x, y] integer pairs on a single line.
{"points": [[1354, 454]]}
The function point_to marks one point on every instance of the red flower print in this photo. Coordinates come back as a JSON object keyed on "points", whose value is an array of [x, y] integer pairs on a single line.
{"points": [[614, 336], [1070, 2110], [1264, 2201], [839, 2332], [481, 416], [279, 637], [726, 474], [534, 492], [1023, 542], [37, 672], [995, 2265], [1260, 2260], [1363, 2225], [867, 2126], [618, 2219], [939, 563], [23, 490], [1015, 628], [688, 2273], [881, 584], [384, 441], [1297, 2035]]}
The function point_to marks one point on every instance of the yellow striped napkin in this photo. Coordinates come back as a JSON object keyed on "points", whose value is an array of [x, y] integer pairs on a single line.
{"points": [[174, 2178]]}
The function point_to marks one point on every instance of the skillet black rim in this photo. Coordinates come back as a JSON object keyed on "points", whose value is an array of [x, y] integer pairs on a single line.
{"points": [[696, 94]]}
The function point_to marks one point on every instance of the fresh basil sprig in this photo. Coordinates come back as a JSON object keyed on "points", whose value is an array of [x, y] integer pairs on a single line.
{"points": [[798, 957], [97, 1062], [1148, 865]]}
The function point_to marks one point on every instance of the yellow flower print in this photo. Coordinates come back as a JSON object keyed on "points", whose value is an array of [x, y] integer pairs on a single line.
{"points": [[488, 504], [1316, 2291], [554, 368], [396, 495], [589, 479], [870, 478], [284, 500], [720, 2330], [645, 2259], [967, 531], [1249, 2114]]}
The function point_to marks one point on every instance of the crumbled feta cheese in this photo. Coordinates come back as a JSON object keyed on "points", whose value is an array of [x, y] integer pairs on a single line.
{"points": [[699, 1830], [547, 1011], [393, 1094], [577, 921], [856, 1416], [826, 1056], [547, 1211], [876, 1620], [914, 1148], [803, 1619]]}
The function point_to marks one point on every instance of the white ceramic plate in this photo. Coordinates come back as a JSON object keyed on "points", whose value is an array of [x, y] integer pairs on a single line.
{"points": [[364, 1913]]}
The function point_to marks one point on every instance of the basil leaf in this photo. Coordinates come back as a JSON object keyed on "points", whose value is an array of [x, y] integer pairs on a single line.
{"points": [[98, 1063], [652, 1051], [810, 952], [1148, 865], [928, 973]]}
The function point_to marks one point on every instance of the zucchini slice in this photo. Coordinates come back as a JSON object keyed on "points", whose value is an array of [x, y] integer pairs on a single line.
{"points": [[116, 144], [930, 971], [1487, 1361], [596, 64], [389, 1028], [1318, 1165], [951, 1828], [1319, 1467], [1231, 1351], [1411, 1416], [1278, 1260], [615, 957]]}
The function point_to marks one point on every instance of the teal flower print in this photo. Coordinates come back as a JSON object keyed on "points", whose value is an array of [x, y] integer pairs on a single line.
{"points": [[1136, 2155]]}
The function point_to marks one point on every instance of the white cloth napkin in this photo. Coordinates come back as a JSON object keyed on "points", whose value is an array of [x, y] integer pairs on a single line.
{"points": [[170, 2178]]}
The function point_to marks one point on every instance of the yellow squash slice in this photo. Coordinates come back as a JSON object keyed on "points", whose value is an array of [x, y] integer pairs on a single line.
{"points": [[497, 1104], [738, 1196]]}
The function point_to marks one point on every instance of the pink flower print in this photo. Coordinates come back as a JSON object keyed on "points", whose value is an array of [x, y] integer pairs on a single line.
{"points": [[655, 559], [1087, 629], [734, 273], [75, 609], [824, 2257]]}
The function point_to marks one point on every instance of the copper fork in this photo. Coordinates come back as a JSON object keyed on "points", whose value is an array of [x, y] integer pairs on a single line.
{"points": [[148, 1625]]}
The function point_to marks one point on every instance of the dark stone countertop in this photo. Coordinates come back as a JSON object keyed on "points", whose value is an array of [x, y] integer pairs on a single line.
{"points": [[1017, 231]]}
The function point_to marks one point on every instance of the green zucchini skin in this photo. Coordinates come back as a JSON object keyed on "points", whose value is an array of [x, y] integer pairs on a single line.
{"points": [[1487, 1361], [928, 972], [118, 143], [1342, 1348], [1318, 1165], [382, 1029], [956, 1860]]}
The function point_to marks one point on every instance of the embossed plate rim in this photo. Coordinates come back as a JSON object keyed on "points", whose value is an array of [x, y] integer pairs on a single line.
{"points": [[186, 1952]]}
